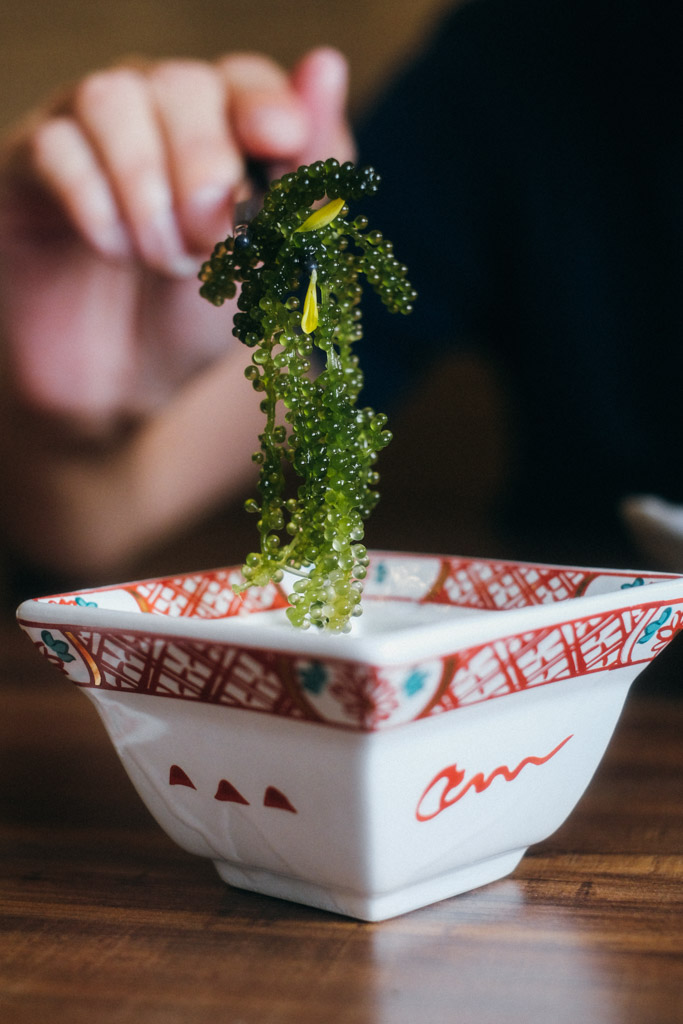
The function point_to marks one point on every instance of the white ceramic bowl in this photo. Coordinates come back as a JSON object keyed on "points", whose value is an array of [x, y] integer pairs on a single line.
{"points": [[373, 773]]}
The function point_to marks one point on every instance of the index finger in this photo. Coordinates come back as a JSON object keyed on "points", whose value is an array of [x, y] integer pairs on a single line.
{"points": [[268, 118]]}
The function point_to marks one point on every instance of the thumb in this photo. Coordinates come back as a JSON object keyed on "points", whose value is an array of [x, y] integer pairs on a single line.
{"points": [[321, 81]]}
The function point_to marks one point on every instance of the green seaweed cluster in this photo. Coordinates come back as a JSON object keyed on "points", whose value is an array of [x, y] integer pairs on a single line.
{"points": [[298, 266]]}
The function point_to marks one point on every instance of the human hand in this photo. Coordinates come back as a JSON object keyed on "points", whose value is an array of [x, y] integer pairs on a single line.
{"points": [[109, 199]]}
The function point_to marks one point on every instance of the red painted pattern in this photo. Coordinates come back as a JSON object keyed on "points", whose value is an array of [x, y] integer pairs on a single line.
{"points": [[229, 793], [368, 697], [455, 786], [178, 777], [267, 681], [496, 586], [276, 798]]}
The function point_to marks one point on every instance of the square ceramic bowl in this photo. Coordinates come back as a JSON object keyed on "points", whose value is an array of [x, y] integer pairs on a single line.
{"points": [[378, 771]]}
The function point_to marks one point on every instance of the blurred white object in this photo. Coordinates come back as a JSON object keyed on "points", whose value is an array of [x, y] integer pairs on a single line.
{"points": [[657, 528]]}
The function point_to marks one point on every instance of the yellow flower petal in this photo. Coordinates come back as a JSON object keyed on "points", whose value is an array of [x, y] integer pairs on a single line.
{"points": [[309, 318], [322, 217]]}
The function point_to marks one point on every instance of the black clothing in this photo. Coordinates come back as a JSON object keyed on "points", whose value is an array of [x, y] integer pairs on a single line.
{"points": [[532, 166]]}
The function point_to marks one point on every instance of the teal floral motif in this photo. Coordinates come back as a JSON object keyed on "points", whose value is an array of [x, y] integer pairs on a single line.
{"points": [[86, 604], [415, 682], [313, 677], [58, 647], [652, 627], [381, 572], [638, 582]]}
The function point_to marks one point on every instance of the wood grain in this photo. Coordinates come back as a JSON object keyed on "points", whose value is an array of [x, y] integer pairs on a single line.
{"points": [[105, 921]]}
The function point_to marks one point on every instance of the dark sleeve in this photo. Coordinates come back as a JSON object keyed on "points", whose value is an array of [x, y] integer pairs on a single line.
{"points": [[435, 204], [532, 163]]}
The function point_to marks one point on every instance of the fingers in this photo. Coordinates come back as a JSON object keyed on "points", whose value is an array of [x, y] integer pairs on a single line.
{"points": [[116, 112], [289, 119], [146, 162], [321, 82], [269, 120], [65, 162], [203, 158]]}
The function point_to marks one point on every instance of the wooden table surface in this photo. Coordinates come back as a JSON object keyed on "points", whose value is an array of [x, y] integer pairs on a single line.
{"points": [[105, 921]]}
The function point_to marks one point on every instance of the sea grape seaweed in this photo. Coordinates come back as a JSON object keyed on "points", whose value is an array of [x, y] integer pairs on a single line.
{"points": [[299, 266]]}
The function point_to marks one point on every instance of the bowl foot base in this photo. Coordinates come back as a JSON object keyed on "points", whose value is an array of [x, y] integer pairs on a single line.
{"points": [[367, 907]]}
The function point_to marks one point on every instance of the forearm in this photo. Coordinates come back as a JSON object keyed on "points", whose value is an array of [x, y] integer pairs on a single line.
{"points": [[85, 510]]}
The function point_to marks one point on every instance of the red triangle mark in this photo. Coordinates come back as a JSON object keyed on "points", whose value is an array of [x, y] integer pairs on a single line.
{"points": [[226, 791], [274, 798], [177, 777]]}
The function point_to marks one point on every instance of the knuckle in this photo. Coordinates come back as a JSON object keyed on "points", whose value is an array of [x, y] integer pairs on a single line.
{"points": [[48, 140], [180, 73], [252, 70], [144, 182], [45, 134], [101, 87]]}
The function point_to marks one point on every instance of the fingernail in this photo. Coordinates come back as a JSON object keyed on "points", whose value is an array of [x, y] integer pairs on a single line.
{"points": [[332, 70]]}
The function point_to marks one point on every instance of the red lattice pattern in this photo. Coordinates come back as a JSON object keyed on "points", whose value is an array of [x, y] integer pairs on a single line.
{"points": [[205, 595], [187, 669], [576, 648], [496, 586], [267, 681]]}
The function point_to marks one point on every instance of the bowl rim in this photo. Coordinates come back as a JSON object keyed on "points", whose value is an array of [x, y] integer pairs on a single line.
{"points": [[424, 639]]}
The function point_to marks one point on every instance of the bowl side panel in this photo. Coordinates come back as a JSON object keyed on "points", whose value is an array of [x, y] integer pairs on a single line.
{"points": [[307, 808], [263, 793], [456, 790]]}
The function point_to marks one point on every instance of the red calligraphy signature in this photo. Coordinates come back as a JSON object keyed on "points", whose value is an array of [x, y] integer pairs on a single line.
{"points": [[451, 783]]}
